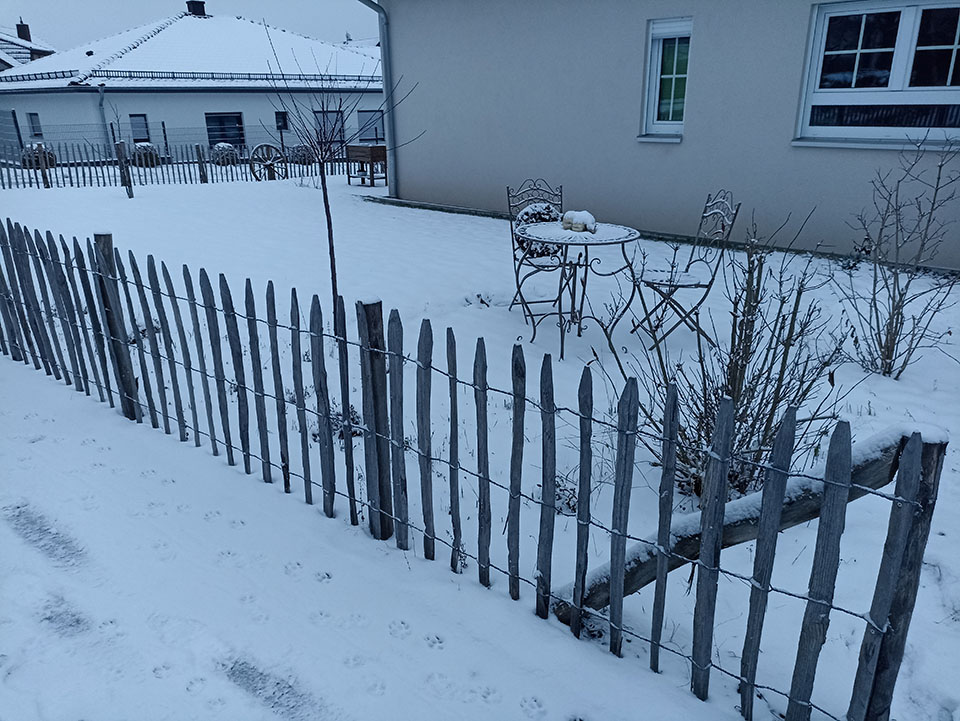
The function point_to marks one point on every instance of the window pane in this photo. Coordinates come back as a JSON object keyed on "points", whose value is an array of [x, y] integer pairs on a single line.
{"points": [[679, 93], [838, 71], [874, 70], [669, 56], [930, 68], [843, 32], [880, 30], [666, 96], [938, 27], [683, 52]]}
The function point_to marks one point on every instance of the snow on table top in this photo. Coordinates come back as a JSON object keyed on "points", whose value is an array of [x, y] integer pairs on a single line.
{"points": [[607, 234]]}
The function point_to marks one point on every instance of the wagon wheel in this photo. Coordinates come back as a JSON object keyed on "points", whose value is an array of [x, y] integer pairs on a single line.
{"points": [[267, 162]]}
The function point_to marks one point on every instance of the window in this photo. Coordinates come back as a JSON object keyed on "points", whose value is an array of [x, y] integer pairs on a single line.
{"points": [[883, 70], [329, 126], [282, 120], [139, 130], [33, 120], [225, 128], [669, 42], [371, 126]]}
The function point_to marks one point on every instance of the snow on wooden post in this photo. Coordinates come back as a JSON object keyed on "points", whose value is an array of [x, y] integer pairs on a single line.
{"points": [[108, 290], [823, 575], [585, 399], [711, 532], [201, 165], [123, 163], [548, 493], [894, 640], [627, 410], [424, 441], [519, 373]]}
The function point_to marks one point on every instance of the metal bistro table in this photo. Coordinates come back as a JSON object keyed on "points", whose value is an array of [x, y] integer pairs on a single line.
{"points": [[571, 257]]}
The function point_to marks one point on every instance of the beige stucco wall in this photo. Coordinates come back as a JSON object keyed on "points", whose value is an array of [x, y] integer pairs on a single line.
{"points": [[509, 89]]}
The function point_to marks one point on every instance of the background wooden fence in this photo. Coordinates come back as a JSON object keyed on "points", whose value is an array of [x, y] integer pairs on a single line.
{"points": [[79, 165], [189, 355]]}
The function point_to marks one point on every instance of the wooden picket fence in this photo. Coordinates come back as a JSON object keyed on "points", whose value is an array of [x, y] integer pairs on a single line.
{"points": [[80, 165], [145, 343]]}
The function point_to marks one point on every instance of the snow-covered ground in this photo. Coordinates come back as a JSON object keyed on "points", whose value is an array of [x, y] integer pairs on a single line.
{"points": [[238, 620]]}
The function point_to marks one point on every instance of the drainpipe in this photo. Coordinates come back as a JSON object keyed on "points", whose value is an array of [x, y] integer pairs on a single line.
{"points": [[103, 118], [388, 90]]}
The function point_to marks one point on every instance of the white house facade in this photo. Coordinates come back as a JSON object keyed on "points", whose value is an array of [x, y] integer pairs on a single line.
{"points": [[640, 108], [194, 78]]}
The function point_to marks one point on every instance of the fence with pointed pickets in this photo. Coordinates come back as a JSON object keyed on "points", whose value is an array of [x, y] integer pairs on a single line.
{"points": [[80, 165], [146, 342]]}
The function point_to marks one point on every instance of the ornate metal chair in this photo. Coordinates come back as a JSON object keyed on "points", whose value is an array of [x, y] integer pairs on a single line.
{"points": [[533, 201], [680, 290]]}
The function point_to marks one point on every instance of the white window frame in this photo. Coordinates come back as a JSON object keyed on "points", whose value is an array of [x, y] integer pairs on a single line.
{"points": [[657, 32], [36, 128], [898, 90], [133, 128]]}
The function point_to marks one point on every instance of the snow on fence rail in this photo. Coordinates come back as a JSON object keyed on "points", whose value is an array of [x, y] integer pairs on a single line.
{"points": [[85, 318], [79, 165]]}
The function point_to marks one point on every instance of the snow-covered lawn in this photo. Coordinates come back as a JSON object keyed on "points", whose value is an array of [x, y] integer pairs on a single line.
{"points": [[172, 594]]}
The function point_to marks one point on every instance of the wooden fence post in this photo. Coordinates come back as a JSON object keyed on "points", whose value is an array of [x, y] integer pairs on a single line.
{"points": [[41, 157], [585, 404], [671, 423], [483, 462], [548, 488], [109, 290], [519, 373], [346, 427], [456, 559], [398, 445], [321, 392], [201, 164], [123, 165], [424, 440]]}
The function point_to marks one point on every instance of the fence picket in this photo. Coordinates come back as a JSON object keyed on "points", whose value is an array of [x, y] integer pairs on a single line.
{"points": [[328, 478], [201, 358], [45, 278], [256, 365], [585, 406], [713, 500], [31, 309], [518, 372], [483, 462], [70, 310], [548, 489], [771, 507], [671, 423], [627, 410], [398, 443], [154, 344], [99, 337], [236, 355], [297, 363], [216, 351], [16, 297], [346, 408], [168, 347], [184, 351], [47, 263], [823, 575], [78, 304], [7, 313], [424, 440], [456, 552], [138, 338], [278, 390]]}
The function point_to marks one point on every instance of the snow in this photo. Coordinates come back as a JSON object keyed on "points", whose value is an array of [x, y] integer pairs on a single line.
{"points": [[457, 271], [582, 218]]}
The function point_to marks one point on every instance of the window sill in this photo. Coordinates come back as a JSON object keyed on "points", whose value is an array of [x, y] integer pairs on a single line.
{"points": [[862, 143], [659, 138]]}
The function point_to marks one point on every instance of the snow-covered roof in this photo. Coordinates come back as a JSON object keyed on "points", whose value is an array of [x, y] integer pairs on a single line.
{"points": [[16, 51], [197, 51]]}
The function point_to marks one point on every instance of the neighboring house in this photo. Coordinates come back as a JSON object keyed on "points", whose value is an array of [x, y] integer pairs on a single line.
{"points": [[193, 78], [17, 47], [640, 108]]}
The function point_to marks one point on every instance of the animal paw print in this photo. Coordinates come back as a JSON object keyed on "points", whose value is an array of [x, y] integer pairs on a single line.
{"points": [[293, 568], [354, 661], [434, 641], [247, 598], [161, 671], [318, 617], [323, 577], [237, 523], [532, 708], [377, 688], [399, 629], [211, 515], [195, 685], [439, 685], [490, 695]]}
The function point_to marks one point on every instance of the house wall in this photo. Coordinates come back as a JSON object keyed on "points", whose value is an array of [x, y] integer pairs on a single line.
{"points": [[74, 116], [507, 90]]}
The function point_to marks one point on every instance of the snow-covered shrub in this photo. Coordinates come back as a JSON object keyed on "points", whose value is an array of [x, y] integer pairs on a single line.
{"points": [[145, 155], [537, 213], [36, 156], [224, 154], [302, 155]]}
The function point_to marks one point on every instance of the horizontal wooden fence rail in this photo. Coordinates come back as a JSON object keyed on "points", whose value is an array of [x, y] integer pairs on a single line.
{"points": [[278, 401]]}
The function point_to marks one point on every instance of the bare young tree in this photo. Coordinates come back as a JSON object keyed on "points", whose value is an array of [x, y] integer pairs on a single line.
{"points": [[891, 313]]}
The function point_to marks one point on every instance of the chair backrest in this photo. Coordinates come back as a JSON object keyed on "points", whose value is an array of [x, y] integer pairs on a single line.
{"points": [[530, 192], [716, 224]]}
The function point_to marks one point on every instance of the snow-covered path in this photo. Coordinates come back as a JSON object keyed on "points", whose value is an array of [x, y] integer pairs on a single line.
{"points": [[142, 578]]}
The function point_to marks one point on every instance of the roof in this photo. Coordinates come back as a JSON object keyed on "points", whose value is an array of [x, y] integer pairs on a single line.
{"points": [[194, 51], [16, 51]]}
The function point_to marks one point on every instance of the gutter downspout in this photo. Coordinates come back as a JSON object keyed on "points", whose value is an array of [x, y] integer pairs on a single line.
{"points": [[103, 117], [388, 91]]}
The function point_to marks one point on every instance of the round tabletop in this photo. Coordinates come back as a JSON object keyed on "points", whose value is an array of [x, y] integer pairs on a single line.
{"points": [[553, 233]]}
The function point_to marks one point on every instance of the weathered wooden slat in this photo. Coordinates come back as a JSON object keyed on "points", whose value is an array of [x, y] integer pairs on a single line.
{"points": [[397, 441], [894, 640], [585, 406], [168, 346], [69, 266], [346, 421], [713, 501], [902, 514], [548, 486], [151, 333], [771, 510], [184, 351], [424, 440], [370, 456], [99, 337], [216, 352], [70, 317], [239, 375], [483, 462], [328, 478], [31, 306], [378, 368], [8, 315], [627, 411], [456, 557], [671, 429], [24, 334], [518, 372], [256, 366], [823, 576], [201, 359], [278, 391], [138, 339], [297, 363], [44, 279]]}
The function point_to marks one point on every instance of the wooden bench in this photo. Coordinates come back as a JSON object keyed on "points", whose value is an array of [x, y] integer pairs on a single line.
{"points": [[367, 162]]}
